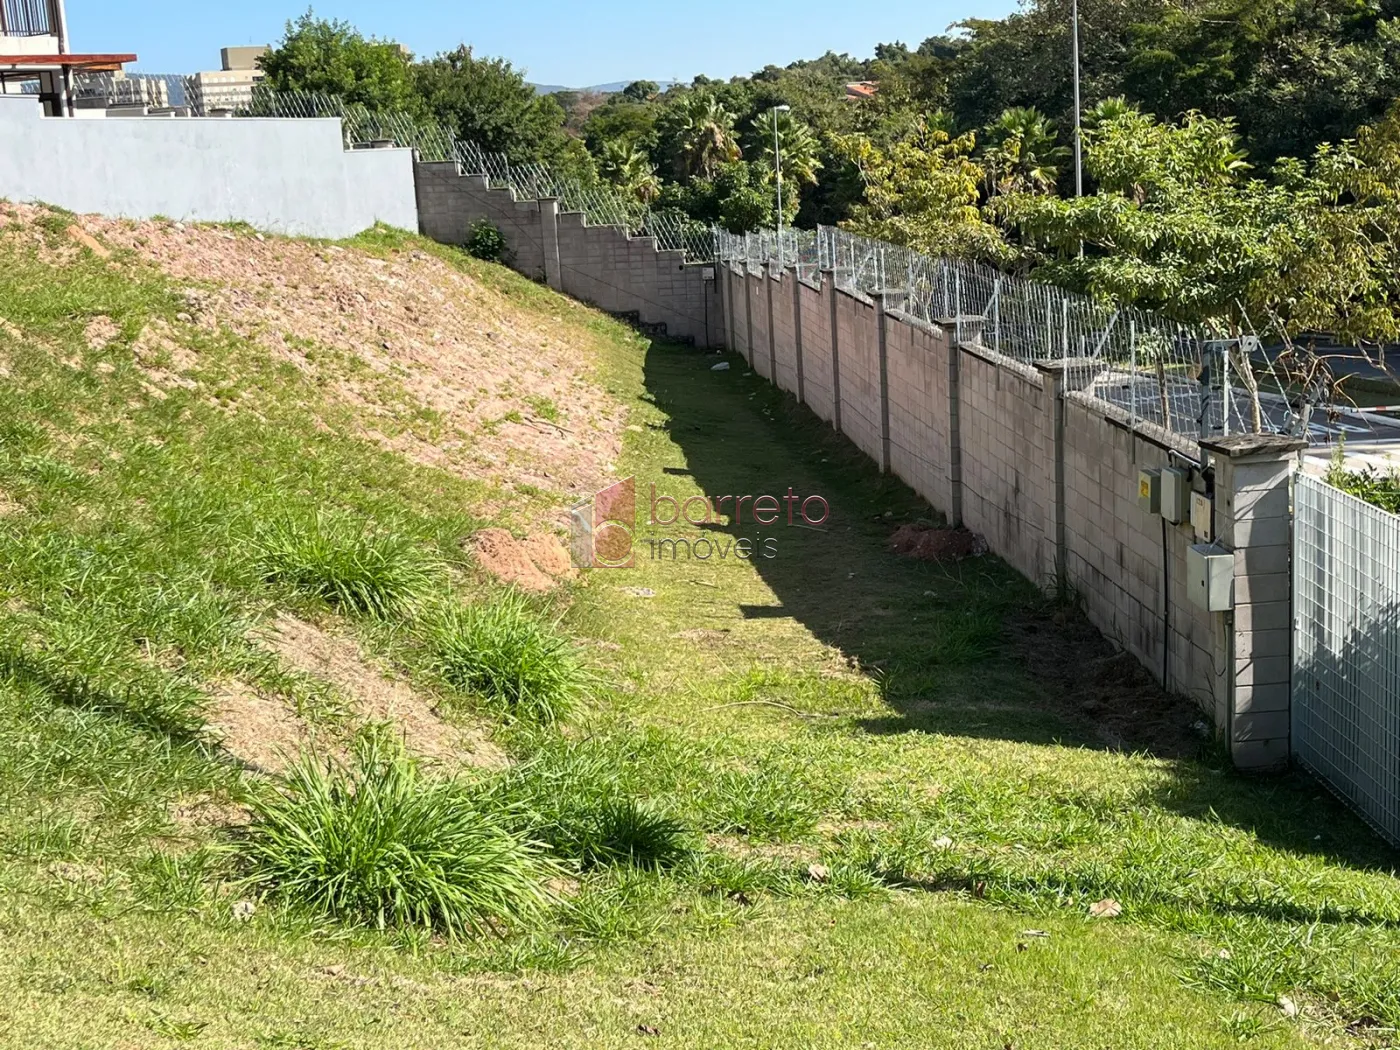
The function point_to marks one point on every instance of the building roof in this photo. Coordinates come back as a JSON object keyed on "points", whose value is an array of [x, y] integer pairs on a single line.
{"points": [[862, 89], [102, 63]]}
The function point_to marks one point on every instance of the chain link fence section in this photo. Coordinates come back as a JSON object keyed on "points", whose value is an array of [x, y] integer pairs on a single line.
{"points": [[1185, 379], [1346, 648]]}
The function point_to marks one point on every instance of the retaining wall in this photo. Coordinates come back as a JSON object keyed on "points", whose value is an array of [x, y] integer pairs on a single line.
{"points": [[602, 265], [285, 176], [1048, 476]]}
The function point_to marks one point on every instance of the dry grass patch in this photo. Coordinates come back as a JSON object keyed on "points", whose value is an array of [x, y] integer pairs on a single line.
{"points": [[379, 697]]}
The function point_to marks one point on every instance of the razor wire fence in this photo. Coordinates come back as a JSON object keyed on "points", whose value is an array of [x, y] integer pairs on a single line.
{"points": [[601, 203], [1187, 379]]}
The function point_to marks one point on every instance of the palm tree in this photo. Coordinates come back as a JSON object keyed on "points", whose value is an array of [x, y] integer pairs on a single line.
{"points": [[706, 138], [798, 147], [627, 167], [1023, 155]]}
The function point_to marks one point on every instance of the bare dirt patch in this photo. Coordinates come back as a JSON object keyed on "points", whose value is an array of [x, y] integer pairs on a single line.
{"points": [[928, 543], [704, 636], [262, 732], [378, 697], [431, 339], [8, 506], [535, 563], [100, 331], [208, 812], [1092, 681]]}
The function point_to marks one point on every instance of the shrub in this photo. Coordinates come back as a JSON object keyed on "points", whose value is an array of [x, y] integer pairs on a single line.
{"points": [[344, 563], [486, 241], [505, 653], [377, 844]]}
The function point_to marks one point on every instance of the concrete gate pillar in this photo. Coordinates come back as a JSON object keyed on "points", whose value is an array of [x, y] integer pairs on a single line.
{"points": [[1254, 519]]}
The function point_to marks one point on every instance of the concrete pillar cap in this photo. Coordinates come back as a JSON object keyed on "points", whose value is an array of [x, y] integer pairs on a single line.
{"points": [[1262, 446]]}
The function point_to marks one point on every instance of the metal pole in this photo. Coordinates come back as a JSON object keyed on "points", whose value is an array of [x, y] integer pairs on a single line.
{"points": [[1078, 153], [1132, 372], [778, 176]]}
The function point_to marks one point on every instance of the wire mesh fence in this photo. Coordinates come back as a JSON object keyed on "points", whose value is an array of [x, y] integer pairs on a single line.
{"points": [[1186, 379], [1346, 648], [601, 203]]}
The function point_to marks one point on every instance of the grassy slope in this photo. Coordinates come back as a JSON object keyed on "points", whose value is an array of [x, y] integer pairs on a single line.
{"points": [[834, 705]]}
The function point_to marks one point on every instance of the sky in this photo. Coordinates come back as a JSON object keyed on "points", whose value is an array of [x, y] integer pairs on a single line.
{"points": [[566, 42]]}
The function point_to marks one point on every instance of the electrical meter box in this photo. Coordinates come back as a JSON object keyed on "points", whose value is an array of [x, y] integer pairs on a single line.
{"points": [[1150, 490], [1210, 577], [1202, 518], [1176, 494]]}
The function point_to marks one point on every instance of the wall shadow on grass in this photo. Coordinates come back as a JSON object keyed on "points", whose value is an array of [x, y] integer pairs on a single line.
{"points": [[966, 649]]}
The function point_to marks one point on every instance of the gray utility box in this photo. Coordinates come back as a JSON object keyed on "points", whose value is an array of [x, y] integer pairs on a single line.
{"points": [[1210, 577], [1176, 494]]}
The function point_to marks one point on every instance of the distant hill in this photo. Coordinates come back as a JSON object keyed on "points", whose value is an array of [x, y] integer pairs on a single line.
{"points": [[602, 89]]}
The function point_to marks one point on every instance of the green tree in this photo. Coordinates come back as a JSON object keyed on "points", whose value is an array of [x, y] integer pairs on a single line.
{"points": [[922, 191], [704, 136], [334, 58], [618, 119], [1022, 153], [640, 91], [629, 169], [745, 198], [486, 101], [797, 146], [1179, 224]]}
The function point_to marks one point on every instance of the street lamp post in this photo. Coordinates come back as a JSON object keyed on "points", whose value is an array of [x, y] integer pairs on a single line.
{"points": [[778, 176], [1078, 165]]}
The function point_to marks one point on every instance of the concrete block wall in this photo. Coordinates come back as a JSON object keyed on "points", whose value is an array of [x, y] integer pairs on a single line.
{"points": [[1007, 457], [917, 356], [1049, 477], [1119, 557], [285, 176], [602, 265], [759, 324], [446, 213], [858, 368], [743, 312], [815, 312], [785, 331], [1254, 516]]}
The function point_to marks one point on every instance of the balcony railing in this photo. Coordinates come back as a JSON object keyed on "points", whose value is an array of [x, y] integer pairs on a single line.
{"points": [[27, 18]]}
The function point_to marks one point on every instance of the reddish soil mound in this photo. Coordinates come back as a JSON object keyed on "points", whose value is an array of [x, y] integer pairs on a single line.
{"points": [[535, 563], [398, 338], [931, 544]]}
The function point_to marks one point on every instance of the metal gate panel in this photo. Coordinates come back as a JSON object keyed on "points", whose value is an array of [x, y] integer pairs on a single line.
{"points": [[1346, 648]]}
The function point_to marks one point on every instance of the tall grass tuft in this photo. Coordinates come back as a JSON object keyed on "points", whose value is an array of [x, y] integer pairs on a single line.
{"points": [[505, 653], [377, 844], [344, 563], [572, 795]]}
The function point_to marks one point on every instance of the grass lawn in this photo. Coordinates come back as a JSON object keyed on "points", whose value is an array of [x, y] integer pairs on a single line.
{"points": [[900, 786]]}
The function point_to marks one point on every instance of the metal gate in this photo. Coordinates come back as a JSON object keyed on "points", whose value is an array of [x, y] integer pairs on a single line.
{"points": [[1346, 648]]}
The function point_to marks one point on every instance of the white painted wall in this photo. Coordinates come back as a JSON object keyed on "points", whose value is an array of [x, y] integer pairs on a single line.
{"points": [[284, 176]]}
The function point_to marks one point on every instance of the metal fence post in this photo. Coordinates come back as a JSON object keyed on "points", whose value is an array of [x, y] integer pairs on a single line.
{"points": [[1132, 372], [996, 315]]}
